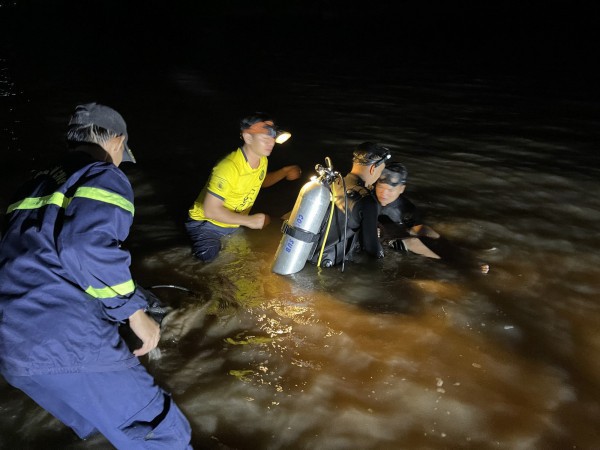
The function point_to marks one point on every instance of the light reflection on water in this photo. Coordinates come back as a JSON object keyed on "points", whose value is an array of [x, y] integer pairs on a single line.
{"points": [[401, 352]]}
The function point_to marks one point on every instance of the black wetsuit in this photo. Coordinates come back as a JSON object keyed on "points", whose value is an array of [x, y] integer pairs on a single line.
{"points": [[397, 218], [361, 227]]}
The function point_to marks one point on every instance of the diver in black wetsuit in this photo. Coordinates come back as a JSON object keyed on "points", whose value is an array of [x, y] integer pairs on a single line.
{"points": [[357, 230], [401, 226]]}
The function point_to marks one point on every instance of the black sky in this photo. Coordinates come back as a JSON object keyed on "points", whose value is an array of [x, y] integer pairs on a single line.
{"points": [[524, 36]]}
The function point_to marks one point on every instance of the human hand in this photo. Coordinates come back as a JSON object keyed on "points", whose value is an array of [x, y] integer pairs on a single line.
{"points": [[258, 221], [429, 232], [292, 172], [423, 230], [146, 329], [415, 230]]}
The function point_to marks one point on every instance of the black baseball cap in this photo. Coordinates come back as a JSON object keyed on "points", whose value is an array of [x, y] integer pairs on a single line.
{"points": [[104, 117]]}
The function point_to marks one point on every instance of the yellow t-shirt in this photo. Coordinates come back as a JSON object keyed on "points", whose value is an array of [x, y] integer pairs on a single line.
{"points": [[233, 181]]}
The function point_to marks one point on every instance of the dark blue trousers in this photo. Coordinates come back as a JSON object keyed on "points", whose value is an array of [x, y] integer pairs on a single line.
{"points": [[206, 238], [126, 406]]}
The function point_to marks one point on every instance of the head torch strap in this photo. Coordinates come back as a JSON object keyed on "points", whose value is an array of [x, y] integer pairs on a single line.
{"points": [[387, 155], [266, 127]]}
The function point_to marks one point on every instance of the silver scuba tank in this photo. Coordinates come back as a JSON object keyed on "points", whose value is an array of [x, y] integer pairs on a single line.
{"points": [[300, 231]]}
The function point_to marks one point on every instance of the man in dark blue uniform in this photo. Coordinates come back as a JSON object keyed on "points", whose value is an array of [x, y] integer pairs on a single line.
{"points": [[356, 230], [66, 287]]}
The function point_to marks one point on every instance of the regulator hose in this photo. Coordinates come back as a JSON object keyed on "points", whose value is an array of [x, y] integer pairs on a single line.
{"points": [[329, 223], [345, 223], [327, 229]]}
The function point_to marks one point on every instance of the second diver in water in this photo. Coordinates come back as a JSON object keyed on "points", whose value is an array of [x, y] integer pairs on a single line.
{"points": [[400, 223]]}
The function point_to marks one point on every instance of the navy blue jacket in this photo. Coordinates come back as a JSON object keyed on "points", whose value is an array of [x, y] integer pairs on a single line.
{"points": [[65, 283]]}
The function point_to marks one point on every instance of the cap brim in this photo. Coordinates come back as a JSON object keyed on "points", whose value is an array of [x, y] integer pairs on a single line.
{"points": [[128, 154]]}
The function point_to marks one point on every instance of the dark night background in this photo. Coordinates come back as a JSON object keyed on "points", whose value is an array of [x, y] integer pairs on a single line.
{"points": [[244, 48], [238, 40], [241, 55]]}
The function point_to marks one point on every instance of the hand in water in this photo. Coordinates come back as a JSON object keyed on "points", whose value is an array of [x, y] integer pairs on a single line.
{"points": [[146, 329]]}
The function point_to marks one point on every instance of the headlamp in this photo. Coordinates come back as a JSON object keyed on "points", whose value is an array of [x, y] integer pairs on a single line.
{"points": [[270, 129], [387, 155], [368, 154], [282, 136]]}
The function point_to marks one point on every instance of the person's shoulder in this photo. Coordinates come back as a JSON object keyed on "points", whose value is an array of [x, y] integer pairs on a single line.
{"points": [[232, 159], [235, 155], [104, 175], [405, 202], [360, 192], [396, 203], [351, 179], [355, 187], [106, 169]]}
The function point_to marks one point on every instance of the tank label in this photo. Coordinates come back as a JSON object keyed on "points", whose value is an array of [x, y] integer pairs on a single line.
{"points": [[288, 245]]}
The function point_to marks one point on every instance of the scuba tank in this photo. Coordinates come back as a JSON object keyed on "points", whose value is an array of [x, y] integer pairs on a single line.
{"points": [[301, 230]]}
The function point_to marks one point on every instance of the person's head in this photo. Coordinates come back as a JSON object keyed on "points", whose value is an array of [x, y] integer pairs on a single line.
{"points": [[260, 134], [368, 161], [93, 123], [391, 183]]}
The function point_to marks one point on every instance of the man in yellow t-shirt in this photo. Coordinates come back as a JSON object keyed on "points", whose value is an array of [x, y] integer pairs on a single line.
{"points": [[225, 201]]}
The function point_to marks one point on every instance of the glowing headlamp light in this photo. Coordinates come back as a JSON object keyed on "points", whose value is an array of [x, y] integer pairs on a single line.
{"points": [[387, 155], [280, 135]]}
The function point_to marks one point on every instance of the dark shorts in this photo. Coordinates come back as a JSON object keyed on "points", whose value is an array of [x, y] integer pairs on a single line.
{"points": [[206, 238]]}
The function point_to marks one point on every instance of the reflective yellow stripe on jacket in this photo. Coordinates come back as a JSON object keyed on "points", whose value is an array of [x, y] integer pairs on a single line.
{"points": [[112, 291], [62, 201], [57, 199]]}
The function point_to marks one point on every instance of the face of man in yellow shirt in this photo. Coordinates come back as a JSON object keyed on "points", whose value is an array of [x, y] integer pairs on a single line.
{"points": [[258, 144]]}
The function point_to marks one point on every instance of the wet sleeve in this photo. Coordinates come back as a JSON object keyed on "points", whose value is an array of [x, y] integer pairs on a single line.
{"points": [[370, 241], [95, 224]]}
